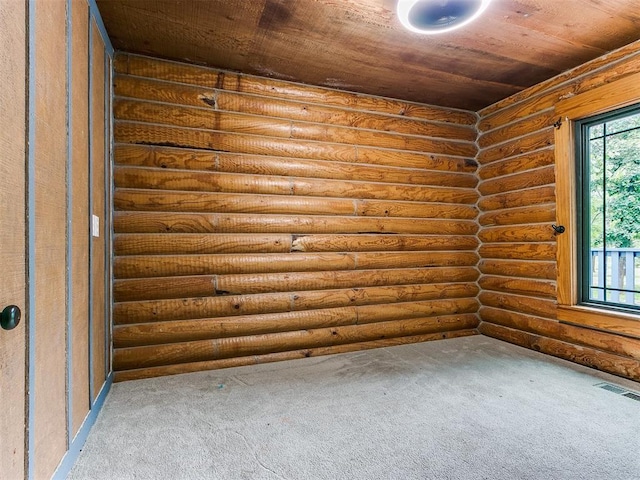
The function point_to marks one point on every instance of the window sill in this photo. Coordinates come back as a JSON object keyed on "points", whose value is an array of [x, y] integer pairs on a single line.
{"points": [[620, 323]]}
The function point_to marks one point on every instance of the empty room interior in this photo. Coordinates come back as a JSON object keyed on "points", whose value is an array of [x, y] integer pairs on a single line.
{"points": [[320, 239]]}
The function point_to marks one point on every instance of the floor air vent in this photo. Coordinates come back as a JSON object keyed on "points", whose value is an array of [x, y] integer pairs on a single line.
{"points": [[619, 390]]}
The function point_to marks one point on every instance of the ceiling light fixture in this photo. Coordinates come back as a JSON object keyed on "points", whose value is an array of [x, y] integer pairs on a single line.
{"points": [[438, 16]]}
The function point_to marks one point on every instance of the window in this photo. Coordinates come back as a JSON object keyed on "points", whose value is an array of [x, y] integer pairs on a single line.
{"points": [[608, 203], [593, 182]]}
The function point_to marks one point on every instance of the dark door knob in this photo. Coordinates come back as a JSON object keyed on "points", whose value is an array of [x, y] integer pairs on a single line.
{"points": [[10, 317]]}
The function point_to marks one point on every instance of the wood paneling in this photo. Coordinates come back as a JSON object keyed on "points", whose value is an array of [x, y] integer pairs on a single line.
{"points": [[518, 203], [79, 183], [45, 199], [13, 351], [50, 322], [254, 220], [98, 203]]}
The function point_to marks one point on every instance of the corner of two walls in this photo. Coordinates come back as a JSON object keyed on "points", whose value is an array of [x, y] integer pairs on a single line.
{"points": [[517, 209], [259, 220]]}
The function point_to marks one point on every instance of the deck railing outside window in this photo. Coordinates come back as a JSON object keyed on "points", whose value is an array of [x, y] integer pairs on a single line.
{"points": [[622, 272]]}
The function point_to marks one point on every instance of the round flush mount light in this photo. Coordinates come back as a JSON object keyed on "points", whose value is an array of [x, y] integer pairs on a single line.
{"points": [[438, 16]]}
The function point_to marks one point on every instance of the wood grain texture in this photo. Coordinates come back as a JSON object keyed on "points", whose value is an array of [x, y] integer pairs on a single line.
{"points": [[13, 344], [204, 350], [252, 283], [221, 264], [151, 372], [208, 119], [518, 268], [518, 156], [590, 357], [231, 101], [275, 217], [616, 344], [520, 215], [521, 163], [471, 69], [157, 222], [433, 171], [204, 307], [98, 157], [163, 179], [159, 333], [49, 320], [79, 183]]}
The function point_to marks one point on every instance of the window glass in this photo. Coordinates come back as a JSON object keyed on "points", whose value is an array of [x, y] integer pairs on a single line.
{"points": [[609, 208]]}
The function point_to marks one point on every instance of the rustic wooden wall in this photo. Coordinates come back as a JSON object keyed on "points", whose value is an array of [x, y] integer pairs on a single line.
{"points": [[258, 220], [517, 209]]}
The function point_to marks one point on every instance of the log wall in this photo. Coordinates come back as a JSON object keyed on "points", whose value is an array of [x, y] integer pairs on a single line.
{"points": [[517, 209], [258, 220]]}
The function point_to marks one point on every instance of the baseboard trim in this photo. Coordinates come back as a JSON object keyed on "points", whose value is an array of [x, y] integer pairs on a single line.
{"points": [[69, 459]]}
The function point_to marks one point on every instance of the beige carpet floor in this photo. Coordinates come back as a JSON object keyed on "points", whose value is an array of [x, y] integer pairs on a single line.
{"points": [[467, 408]]}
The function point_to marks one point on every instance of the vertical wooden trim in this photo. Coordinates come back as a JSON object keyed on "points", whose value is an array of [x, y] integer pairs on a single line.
{"points": [[80, 231], [608, 97], [31, 237], [98, 156], [95, 13], [50, 237], [90, 204], [109, 205], [69, 253], [566, 213]]}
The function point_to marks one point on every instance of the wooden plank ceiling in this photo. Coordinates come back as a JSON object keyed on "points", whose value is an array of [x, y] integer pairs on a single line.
{"points": [[359, 45]]}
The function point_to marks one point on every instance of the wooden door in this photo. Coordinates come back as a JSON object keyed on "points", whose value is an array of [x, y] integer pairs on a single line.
{"points": [[12, 235]]}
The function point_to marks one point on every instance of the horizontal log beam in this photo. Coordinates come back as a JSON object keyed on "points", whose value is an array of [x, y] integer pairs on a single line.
{"points": [[363, 242], [544, 213], [205, 119], [221, 100], [616, 344], [159, 333], [195, 181], [210, 243], [527, 161], [519, 181], [230, 81], [540, 307], [529, 143], [204, 350], [436, 171], [127, 290], [523, 127], [162, 135], [519, 268], [172, 201], [519, 251], [518, 233], [520, 198], [135, 222], [150, 372], [590, 357], [519, 286], [222, 264], [231, 305]]}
